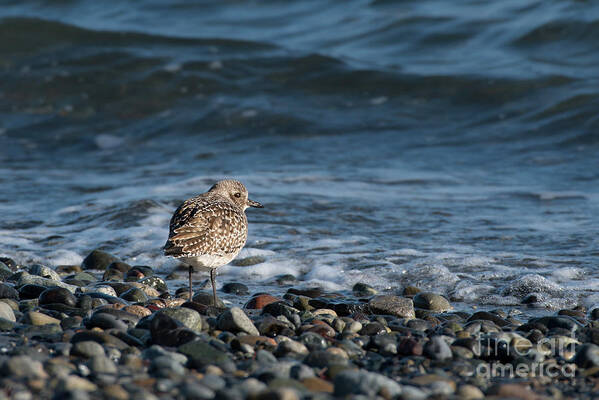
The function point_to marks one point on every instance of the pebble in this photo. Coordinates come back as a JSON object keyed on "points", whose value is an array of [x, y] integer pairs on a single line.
{"points": [[98, 260], [587, 356], [6, 312], [310, 344], [186, 316], [236, 288], [235, 320], [392, 305], [24, 367], [201, 354], [135, 295], [258, 302], [363, 290], [437, 349], [44, 272], [27, 279], [431, 301], [87, 349], [8, 292], [360, 382], [57, 295], [100, 364], [37, 319], [470, 392]]}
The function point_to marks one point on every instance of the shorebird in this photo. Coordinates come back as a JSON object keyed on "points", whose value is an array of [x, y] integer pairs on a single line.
{"points": [[208, 231]]}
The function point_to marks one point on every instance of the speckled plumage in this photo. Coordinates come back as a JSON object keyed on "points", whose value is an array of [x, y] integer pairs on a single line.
{"points": [[206, 225], [209, 230]]}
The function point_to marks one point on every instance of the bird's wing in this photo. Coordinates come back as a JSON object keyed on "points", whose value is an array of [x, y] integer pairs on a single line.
{"points": [[200, 227]]}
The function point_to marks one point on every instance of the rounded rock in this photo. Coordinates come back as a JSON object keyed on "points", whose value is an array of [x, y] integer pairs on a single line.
{"points": [[135, 295], [392, 305], [186, 316], [98, 259], [57, 295], [6, 312], [235, 288], [235, 320], [437, 349], [431, 301], [44, 272], [363, 290], [8, 292], [87, 349]]}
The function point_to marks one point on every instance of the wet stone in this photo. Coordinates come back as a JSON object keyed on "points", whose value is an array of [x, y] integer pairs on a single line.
{"points": [[26, 278], [258, 302], [186, 316], [431, 301], [551, 322], [57, 295], [286, 279], [98, 260], [105, 321], [8, 292], [44, 272], [324, 359], [87, 349], [30, 291], [201, 354], [9, 262], [100, 364], [235, 320], [409, 347], [410, 291], [134, 295], [373, 328], [281, 308], [313, 341], [587, 356], [392, 305], [155, 282], [103, 338], [363, 290], [84, 277], [487, 316], [138, 272], [365, 383], [206, 299], [112, 275], [37, 319], [6, 312], [24, 367], [235, 288], [5, 271], [437, 349]]}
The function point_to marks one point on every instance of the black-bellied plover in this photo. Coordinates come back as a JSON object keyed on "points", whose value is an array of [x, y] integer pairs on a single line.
{"points": [[209, 230]]}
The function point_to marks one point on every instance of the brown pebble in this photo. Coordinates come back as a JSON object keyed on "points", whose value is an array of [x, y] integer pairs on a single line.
{"points": [[315, 384], [260, 301]]}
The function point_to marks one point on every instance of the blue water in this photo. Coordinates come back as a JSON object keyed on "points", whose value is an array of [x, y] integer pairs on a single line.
{"points": [[447, 145]]}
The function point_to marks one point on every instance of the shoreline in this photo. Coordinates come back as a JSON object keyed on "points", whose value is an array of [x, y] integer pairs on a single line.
{"points": [[65, 332]]}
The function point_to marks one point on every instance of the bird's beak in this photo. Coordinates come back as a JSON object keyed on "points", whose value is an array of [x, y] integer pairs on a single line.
{"points": [[255, 204]]}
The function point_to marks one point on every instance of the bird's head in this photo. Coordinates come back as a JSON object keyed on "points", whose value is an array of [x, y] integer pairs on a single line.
{"points": [[236, 192]]}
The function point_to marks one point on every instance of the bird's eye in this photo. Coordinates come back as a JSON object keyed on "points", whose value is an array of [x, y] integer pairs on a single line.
{"points": [[237, 195]]}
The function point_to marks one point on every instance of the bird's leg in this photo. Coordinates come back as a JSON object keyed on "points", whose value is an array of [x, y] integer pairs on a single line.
{"points": [[190, 291], [212, 280]]}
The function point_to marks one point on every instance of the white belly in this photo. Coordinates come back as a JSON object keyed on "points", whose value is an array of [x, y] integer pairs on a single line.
{"points": [[207, 261]]}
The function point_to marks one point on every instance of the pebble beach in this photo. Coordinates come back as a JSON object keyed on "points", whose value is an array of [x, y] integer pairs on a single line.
{"points": [[108, 330]]}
